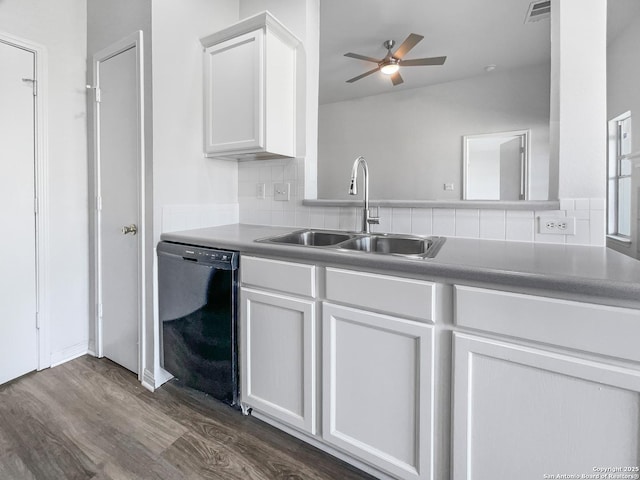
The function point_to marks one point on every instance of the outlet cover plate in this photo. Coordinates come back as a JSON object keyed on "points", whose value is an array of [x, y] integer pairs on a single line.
{"points": [[281, 191], [557, 225]]}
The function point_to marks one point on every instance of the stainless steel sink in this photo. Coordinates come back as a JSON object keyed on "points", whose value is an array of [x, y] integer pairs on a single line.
{"points": [[376, 243], [310, 238], [390, 244]]}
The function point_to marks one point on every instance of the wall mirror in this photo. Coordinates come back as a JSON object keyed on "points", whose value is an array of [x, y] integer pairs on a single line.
{"points": [[496, 78], [495, 166], [623, 120]]}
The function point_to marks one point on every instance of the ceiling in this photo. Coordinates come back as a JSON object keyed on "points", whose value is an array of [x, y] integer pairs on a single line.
{"points": [[471, 33]]}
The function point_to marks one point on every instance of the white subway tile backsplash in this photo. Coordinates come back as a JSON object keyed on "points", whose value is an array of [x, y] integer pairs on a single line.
{"points": [[567, 204], [520, 225], [582, 235], [302, 216], [467, 223], [444, 222], [493, 224], [347, 219], [401, 220], [582, 214], [597, 228], [264, 174], [316, 217], [332, 218], [581, 204], [277, 173], [421, 219]]}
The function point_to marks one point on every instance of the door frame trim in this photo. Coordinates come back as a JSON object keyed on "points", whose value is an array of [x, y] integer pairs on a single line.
{"points": [[135, 40], [41, 172]]}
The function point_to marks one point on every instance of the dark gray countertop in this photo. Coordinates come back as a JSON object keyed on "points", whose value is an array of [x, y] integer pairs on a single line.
{"points": [[588, 273]]}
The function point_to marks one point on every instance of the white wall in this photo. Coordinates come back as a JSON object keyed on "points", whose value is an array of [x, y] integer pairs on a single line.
{"points": [[412, 139], [578, 44], [182, 176], [60, 26]]}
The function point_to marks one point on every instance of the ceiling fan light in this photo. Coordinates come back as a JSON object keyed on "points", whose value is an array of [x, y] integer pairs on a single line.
{"points": [[390, 68]]}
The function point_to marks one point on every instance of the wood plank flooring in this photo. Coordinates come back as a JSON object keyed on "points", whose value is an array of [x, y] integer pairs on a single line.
{"points": [[91, 419]]}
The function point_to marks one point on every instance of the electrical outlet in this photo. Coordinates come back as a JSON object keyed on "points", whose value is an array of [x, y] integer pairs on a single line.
{"points": [[448, 186], [281, 192], [557, 225], [260, 191]]}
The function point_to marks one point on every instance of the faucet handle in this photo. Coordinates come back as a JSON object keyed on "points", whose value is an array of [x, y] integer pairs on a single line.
{"points": [[373, 220]]}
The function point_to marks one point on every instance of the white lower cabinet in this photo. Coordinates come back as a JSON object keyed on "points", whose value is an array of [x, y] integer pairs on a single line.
{"points": [[377, 400], [278, 357], [523, 412]]}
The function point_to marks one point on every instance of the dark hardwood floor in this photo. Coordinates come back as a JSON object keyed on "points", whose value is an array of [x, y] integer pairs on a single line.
{"points": [[91, 419]]}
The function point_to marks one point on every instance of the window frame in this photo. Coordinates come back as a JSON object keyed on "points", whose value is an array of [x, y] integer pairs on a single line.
{"points": [[615, 159]]}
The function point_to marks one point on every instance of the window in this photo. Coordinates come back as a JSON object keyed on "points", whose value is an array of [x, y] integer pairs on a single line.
{"points": [[619, 177]]}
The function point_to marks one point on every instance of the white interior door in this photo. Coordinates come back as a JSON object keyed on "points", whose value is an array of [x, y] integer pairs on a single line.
{"points": [[511, 170], [18, 303], [119, 180]]}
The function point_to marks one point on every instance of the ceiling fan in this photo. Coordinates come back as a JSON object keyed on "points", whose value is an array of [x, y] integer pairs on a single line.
{"points": [[391, 63]]}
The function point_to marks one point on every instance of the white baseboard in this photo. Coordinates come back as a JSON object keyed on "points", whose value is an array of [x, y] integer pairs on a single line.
{"points": [[92, 348], [162, 377], [69, 353], [148, 381]]}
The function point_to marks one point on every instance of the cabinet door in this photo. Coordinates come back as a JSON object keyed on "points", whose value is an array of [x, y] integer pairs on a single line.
{"points": [[277, 357], [377, 393], [234, 94], [524, 413]]}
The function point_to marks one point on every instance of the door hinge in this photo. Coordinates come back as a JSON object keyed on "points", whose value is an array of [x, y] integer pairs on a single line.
{"points": [[98, 203], [37, 321], [521, 149], [35, 205], [96, 93], [99, 310], [34, 85]]}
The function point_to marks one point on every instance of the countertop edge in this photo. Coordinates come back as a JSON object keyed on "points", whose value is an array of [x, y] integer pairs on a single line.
{"points": [[604, 290]]}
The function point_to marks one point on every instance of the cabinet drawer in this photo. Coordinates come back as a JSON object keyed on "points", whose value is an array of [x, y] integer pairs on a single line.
{"points": [[583, 326], [398, 296], [296, 278]]}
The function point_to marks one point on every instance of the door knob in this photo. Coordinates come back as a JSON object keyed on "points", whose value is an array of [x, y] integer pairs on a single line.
{"points": [[132, 229]]}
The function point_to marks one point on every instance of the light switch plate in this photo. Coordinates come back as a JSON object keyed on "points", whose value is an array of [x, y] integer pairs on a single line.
{"points": [[557, 225], [281, 191], [260, 191]]}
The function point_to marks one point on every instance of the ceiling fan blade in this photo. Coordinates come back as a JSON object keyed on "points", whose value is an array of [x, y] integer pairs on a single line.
{"points": [[361, 57], [354, 79], [416, 62], [396, 78], [411, 41]]}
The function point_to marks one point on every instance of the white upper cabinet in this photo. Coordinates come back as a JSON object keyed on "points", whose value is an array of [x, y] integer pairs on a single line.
{"points": [[250, 90]]}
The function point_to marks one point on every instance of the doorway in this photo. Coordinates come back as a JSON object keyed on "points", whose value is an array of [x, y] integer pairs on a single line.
{"points": [[24, 344], [119, 186]]}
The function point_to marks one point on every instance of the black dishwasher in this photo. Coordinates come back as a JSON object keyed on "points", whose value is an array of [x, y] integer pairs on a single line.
{"points": [[197, 301]]}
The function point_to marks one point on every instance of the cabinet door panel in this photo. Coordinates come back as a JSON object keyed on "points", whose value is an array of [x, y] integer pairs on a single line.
{"points": [[234, 94], [377, 403], [278, 357], [523, 413]]}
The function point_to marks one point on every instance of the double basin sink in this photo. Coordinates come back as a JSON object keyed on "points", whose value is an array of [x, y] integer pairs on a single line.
{"points": [[412, 246]]}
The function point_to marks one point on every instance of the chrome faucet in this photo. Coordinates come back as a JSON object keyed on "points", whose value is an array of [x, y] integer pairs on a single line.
{"points": [[353, 190]]}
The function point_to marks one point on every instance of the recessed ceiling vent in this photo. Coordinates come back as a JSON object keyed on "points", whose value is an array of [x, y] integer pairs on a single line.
{"points": [[538, 11]]}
